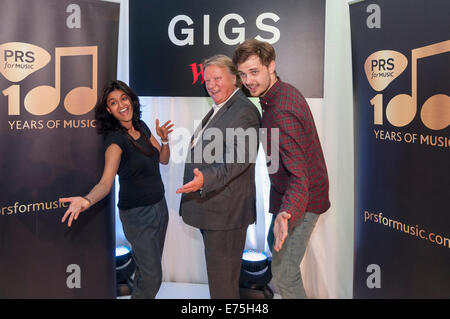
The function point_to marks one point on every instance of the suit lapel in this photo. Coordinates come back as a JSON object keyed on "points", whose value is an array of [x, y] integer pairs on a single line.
{"points": [[224, 108], [216, 118], [204, 121]]}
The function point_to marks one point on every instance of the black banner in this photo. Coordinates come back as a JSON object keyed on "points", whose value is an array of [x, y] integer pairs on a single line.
{"points": [[169, 40], [55, 56], [401, 63]]}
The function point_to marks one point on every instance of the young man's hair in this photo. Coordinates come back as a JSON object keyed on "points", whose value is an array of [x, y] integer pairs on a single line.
{"points": [[263, 50]]}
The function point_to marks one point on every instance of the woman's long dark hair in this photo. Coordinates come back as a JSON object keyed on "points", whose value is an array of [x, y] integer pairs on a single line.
{"points": [[106, 122]]}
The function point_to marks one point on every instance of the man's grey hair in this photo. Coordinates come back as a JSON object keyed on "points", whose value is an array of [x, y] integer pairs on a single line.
{"points": [[223, 61]]}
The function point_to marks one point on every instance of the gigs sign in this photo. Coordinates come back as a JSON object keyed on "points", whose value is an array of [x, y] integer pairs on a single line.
{"points": [[165, 58]]}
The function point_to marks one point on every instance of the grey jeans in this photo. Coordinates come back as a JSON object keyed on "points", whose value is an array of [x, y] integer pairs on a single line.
{"points": [[286, 263], [145, 229]]}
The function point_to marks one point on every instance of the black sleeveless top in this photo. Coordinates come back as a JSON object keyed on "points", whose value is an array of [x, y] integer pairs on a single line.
{"points": [[139, 176]]}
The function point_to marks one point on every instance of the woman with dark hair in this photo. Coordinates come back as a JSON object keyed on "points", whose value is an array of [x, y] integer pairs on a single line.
{"points": [[132, 152]]}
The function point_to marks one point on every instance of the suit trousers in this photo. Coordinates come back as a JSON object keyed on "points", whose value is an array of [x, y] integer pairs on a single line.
{"points": [[145, 228], [223, 253], [286, 263]]}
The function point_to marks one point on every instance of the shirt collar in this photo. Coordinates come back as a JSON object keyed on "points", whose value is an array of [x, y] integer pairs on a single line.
{"points": [[217, 107], [271, 93]]}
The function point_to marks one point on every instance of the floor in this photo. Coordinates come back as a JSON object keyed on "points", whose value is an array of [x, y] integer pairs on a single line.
{"points": [[176, 290]]}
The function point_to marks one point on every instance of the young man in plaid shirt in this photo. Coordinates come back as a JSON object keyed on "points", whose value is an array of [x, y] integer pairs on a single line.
{"points": [[299, 188]]}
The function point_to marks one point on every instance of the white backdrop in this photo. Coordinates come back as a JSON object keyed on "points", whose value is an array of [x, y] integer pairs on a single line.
{"points": [[328, 264]]}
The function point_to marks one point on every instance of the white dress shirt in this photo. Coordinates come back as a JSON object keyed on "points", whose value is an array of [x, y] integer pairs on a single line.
{"points": [[216, 110]]}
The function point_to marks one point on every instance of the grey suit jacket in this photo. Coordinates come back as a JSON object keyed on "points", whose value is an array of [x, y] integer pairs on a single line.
{"points": [[228, 198]]}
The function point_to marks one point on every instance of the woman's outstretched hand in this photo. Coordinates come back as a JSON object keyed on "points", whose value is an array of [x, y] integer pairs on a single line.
{"points": [[164, 130], [78, 204]]}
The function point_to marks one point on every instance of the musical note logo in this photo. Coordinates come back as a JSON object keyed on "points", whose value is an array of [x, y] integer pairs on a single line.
{"points": [[435, 113], [45, 98]]}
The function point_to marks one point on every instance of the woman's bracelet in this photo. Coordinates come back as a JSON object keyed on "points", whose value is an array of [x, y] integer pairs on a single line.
{"points": [[90, 203], [164, 142]]}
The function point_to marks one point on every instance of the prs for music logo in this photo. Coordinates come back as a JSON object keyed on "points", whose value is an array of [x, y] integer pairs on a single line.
{"points": [[18, 60], [382, 67]]}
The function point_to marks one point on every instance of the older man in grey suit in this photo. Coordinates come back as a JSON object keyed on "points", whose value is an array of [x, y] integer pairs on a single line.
{"points": [[219, 176]]}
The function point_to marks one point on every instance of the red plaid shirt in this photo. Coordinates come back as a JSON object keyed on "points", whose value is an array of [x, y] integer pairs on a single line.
{"points": [[301, 182]]}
